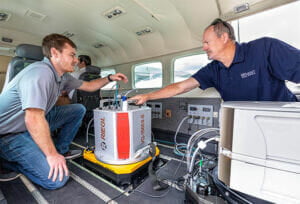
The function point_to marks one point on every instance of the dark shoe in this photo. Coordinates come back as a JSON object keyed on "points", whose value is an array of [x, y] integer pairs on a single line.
{"points": [[72, 154], [9, 176]]}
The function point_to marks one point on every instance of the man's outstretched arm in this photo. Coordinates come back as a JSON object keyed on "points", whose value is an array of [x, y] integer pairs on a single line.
{"points": [[168, 91]]}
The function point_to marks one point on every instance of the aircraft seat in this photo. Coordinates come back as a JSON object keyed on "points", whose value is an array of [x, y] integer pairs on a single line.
{"points": [[25, 55], [90, 100]]}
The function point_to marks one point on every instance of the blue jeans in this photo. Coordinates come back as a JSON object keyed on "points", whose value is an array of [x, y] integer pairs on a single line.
{"points": [[23, 154]]}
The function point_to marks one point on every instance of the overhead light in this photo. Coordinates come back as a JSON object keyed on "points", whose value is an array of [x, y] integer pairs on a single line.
{"points": [[98, 45], [144, 31], [68, 34], [7, 40], [241, 8], [114, 12], [4, 16], [35, 15]]}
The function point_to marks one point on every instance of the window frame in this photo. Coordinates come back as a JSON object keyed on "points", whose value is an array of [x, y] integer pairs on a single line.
{"points": [[172, 78], [142, 63]]}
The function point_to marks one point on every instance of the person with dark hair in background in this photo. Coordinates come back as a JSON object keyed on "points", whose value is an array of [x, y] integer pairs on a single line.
{"points": [[84, 61], [28, 114], [253, 71]]}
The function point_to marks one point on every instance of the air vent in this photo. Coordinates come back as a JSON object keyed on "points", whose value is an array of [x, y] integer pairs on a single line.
{"points": [[98, 45], [68, 34], [241, 8], [35, 15], [114, 13], [144, 31], [4, 16], [7, 40]]}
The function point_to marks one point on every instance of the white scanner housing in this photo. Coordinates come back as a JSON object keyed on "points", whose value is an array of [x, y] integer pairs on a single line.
{"points": [[122, 137], [260, 149]]}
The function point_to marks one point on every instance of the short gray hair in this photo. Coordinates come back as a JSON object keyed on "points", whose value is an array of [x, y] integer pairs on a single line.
{"points": [[221, 27]]}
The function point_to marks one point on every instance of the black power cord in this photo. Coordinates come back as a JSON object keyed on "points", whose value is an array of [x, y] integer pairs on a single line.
{"points": [[157, 183]]}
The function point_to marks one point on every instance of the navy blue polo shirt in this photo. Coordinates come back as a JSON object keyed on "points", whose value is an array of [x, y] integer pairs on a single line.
{"points": [[257, 73]]}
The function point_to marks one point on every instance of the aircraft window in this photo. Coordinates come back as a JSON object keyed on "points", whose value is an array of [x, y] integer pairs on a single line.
{"points": [[277, 23], [104, 73], [184, 67], [148, 75]]}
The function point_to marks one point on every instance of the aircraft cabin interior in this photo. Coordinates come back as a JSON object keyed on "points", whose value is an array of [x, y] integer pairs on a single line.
{"points": [[194, 147]]}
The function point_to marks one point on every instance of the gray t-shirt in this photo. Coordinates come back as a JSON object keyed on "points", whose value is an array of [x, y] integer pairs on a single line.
{"points": [[36, 86]]}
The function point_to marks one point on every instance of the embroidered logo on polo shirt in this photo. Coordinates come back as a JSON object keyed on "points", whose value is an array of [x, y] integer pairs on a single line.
{"points": [[247, 74]]}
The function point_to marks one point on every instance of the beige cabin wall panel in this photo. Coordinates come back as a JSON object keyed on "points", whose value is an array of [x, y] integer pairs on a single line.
{"points": [[2, 80], [4, 61]]}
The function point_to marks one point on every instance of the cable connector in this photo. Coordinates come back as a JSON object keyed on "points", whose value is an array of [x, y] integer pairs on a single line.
{"points": [[202, 144]]}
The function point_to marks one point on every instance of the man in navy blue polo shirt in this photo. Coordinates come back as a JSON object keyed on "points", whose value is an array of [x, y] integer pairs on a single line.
{"points": [[254, 71]]}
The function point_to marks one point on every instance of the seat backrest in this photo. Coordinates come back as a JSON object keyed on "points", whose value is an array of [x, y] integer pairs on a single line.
{"points": [[25, 55], [89, 99], [92, 72]]}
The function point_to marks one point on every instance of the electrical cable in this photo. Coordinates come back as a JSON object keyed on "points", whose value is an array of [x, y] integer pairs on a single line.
{"points": [[87, 133], [129, 91], [193, 158], [219, 183], [116, 95], [179, 146], [201, 145], [181, 122], [178, 168], [195, 137], [169, 189], [154, 196], [164, 142], [178, 149], [152, 136]]}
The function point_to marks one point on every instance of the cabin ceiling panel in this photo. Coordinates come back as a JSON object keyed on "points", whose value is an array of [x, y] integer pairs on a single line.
{"points": [[176, 25], [197, 14], [14, 34]]}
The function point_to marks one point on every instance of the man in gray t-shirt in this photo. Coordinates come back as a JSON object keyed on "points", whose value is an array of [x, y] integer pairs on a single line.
{"points": [[28, 114]]}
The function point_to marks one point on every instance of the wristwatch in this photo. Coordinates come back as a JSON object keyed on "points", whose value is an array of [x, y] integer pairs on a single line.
{"points": [[108, 77]]}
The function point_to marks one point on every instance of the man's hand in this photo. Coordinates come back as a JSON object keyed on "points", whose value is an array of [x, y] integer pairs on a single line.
{"points": [[119, 77], [99, 83], [140, 99], [58, 166]]}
